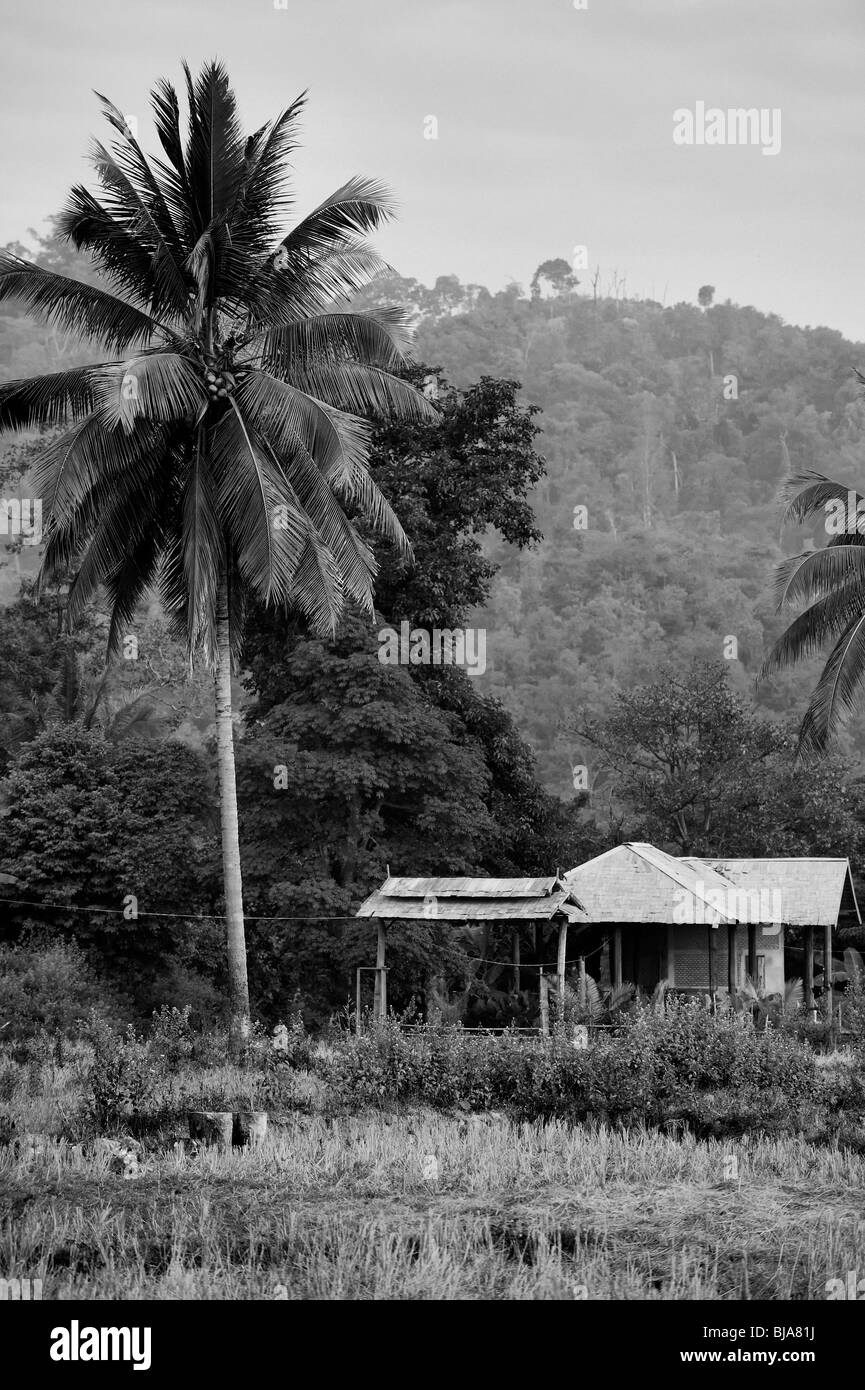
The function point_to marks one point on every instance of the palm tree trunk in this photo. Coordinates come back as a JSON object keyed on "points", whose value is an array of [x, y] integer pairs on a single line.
{"points": [[238, 987]]}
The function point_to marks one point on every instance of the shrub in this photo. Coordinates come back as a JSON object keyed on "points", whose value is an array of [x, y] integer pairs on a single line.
{"points": [[688, 1045], [11, 1079], [171, 1036], [123, 1076], [189, 989], [48, 988], [296, 1048], [841, 1090], [851, 1004], [175, 1040], [713, 1073]]}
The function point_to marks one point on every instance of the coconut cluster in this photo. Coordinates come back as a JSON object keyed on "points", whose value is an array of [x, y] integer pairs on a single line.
{"points": [[219, 384]]}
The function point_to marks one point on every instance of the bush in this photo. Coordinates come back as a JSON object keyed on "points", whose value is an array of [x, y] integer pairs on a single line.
{"points": [[174, 1040], [171, 1036], [713, 1073], [293, 1046], [48, 988], [851, 1004], [842, 1091], [688, 1045], [190, 990], [11, 1079], [123, 1076]]}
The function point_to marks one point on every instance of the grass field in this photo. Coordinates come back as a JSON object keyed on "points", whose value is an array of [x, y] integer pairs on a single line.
{"points": [[339, 1208]]}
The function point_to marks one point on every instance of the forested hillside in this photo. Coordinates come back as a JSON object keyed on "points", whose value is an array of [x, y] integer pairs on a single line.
{"points": [[665, 431], [672, 427], [611, 522]]}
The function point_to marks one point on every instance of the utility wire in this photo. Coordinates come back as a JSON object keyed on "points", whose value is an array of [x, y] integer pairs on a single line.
{"points": [[220, 917], [182, 916]]}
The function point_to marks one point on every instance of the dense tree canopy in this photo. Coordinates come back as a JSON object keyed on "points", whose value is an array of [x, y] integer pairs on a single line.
{"points": [[672, 435], [697, 771]]}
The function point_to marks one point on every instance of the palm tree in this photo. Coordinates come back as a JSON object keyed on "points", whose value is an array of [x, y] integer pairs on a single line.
{"points": [[215, 454], [832, 580]]}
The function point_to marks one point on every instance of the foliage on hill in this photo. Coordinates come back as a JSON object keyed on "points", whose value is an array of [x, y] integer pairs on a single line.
{"points": [[672, 426], [687, 765]]}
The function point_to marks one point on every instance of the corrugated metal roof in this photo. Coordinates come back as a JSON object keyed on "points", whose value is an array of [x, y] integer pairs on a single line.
{"points": [[811, 892], [639, 883], [470, 887], [473, 899], [634, 883], [472, 909]]}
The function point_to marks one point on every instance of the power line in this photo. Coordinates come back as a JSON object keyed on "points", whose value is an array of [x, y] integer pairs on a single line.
{"points": [[248, 917], [524, 965], [182, 916]]}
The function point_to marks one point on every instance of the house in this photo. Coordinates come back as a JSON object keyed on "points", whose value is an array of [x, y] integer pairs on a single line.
{"points": [[708, 924], [471, 902], [639, 914]]}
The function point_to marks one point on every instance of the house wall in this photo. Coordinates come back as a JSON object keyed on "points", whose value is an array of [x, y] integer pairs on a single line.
{"points": [[688, 957]]}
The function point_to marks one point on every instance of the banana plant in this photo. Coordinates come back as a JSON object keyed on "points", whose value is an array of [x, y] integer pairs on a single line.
{"points": [[769, 1006]]}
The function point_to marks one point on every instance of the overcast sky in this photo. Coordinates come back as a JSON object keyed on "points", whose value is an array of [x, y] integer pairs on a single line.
{"points": [[555, 128]]}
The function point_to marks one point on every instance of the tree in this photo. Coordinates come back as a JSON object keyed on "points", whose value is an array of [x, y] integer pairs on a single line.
{"points": [[386, 768], [532, 832], [27, 347], [408, 766], [694, 767], [832, 580], [557, 274], [100, 833], [450, 480], [212, 453], [378, 775], [705, 295]]}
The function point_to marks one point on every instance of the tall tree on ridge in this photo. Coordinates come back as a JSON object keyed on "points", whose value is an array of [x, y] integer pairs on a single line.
{"points": [[214, 455]]}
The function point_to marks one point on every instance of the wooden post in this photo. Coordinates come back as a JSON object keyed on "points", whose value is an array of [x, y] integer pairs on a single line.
{"points": [[380, 998], [809, 967], [827, 978], [617, 955], [357, 1023], [515, 942], [731, 958], [560, 964], [752, 953], [381, 971], [711, 930], [543, 988], [583, 992], [605, 964]]}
